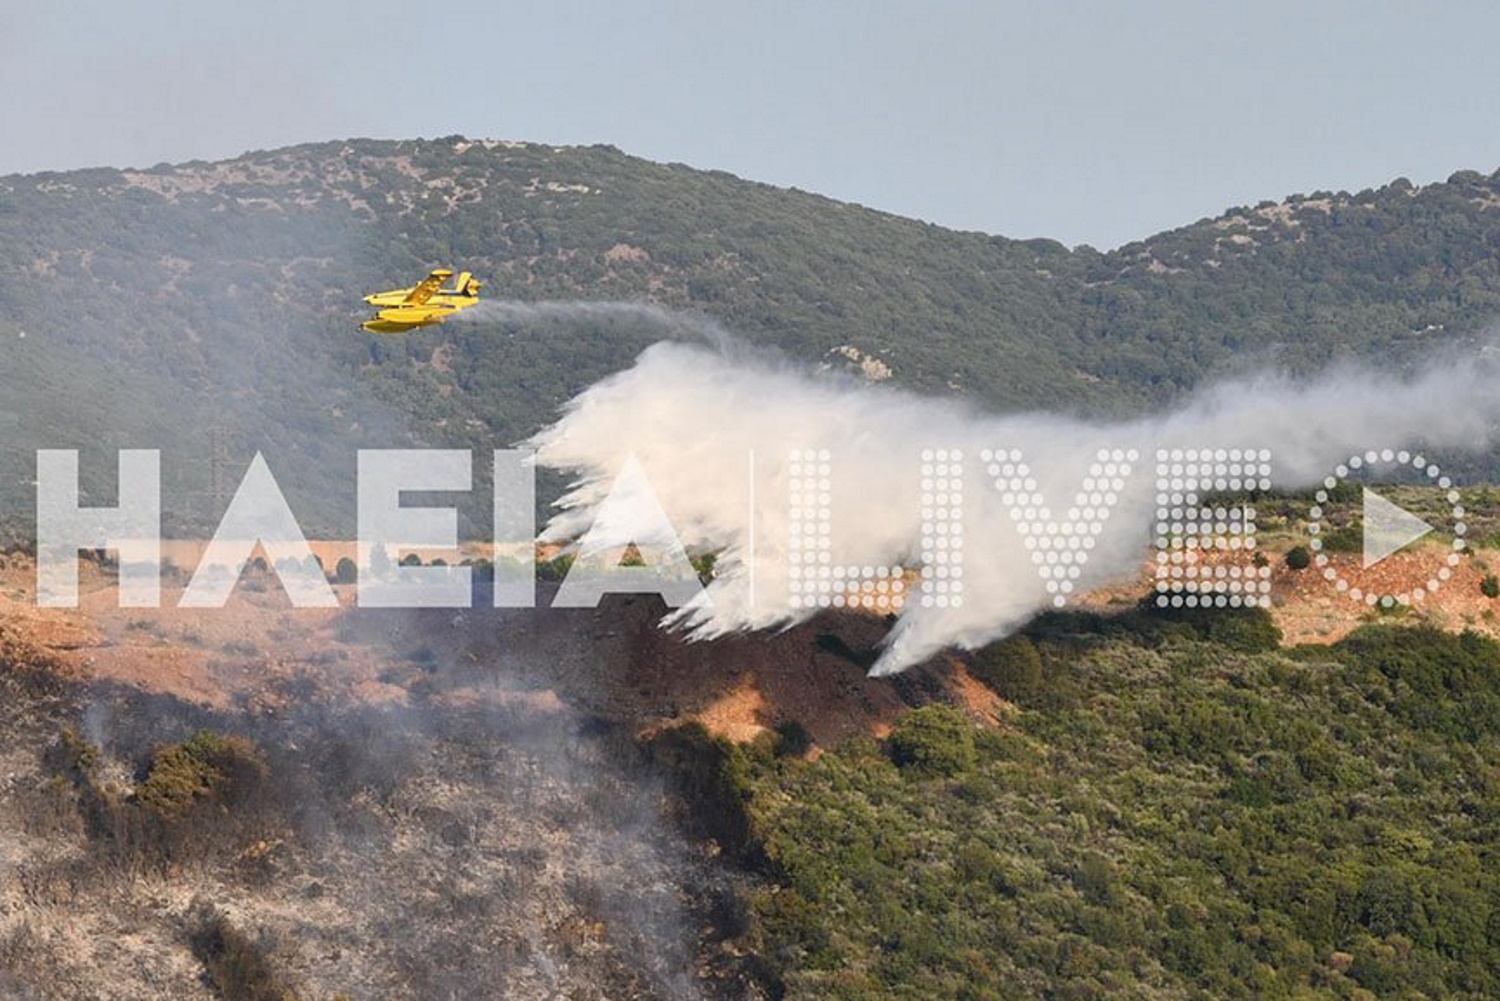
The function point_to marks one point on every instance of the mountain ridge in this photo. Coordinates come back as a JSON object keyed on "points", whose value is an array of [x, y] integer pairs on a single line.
{"points": [[231, 289]]}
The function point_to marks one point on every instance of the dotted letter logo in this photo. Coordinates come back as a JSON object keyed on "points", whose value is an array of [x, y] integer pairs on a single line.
{"points": [[1201, 543], [942, 528], [1384, 528], [1059, 549], [813, 580]]}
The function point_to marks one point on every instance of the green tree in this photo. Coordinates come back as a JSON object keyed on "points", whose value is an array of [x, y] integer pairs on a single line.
{"points": [[1012, 667], [933, 740]]}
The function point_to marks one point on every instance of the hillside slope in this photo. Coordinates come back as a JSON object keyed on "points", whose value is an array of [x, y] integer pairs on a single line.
{"points": [[159, 305]]}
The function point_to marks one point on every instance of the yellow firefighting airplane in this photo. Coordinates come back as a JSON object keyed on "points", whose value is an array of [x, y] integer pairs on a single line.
{"points": [[423, 304]]}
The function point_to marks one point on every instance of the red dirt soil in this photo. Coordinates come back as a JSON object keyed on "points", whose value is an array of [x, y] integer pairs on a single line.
{"points": [[613, 662]]}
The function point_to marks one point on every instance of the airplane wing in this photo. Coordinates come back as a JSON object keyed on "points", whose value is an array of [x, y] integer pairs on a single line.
{"points": [[424, 290]]}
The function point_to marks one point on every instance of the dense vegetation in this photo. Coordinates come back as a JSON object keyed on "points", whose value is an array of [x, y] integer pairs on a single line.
{"points": [[1164, 817], [211, 308]]}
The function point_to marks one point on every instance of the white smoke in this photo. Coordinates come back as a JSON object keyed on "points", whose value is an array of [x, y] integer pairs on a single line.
{"points": [[714, 430], [688, 326]]}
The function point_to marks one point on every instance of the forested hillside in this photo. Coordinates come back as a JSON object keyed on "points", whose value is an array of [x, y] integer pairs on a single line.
{"points": [[159, 305], [1171, 814]]}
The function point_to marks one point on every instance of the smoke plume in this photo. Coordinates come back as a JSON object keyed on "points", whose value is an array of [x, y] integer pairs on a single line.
{"points": [[669, 323], [723, 435]]}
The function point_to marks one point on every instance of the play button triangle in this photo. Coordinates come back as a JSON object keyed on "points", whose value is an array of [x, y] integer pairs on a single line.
{"points": [[1387, 528]]}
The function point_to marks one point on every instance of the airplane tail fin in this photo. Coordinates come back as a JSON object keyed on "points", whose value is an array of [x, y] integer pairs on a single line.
{"points": [[466, 285]]}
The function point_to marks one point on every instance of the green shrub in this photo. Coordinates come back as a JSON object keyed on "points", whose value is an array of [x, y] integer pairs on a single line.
{"points": [[1344, 539], [1095, 879], [1298, 558], [799, 929], [1490, 586], [208, 767], [1436, 681], [933, 740], [1249, 630], [1012, 667]]}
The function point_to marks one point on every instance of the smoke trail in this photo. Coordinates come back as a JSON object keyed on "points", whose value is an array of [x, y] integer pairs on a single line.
{"points": [[676, 325], [697, 420]]}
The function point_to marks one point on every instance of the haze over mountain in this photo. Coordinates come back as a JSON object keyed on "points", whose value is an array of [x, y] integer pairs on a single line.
{"points": [[211, 308]]}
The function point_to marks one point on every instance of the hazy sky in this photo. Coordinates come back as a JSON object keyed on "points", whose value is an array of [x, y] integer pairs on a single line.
{"points": [[1086, 122]]}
